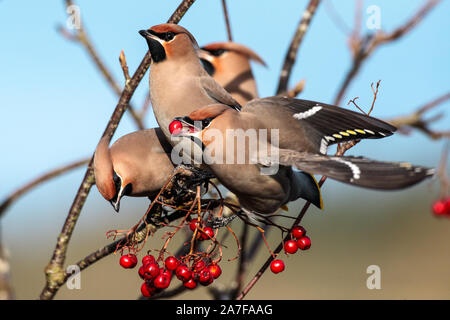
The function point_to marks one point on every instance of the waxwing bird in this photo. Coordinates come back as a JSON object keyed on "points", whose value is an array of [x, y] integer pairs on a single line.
{"points": [[180, 87], [178, 82], [229, 64], [305, 130], [137, 164]]}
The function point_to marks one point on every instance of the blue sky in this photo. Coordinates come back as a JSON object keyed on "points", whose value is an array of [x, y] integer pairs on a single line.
{"points": [[55, 104]]}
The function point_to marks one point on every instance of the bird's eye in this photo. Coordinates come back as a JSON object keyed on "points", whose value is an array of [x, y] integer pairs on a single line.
{"points": [[169, 36], [217, 52], [206, 122]]}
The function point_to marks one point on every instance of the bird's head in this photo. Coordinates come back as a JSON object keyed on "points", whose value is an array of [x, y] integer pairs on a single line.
{"points": [[168, 41], [195, 124], [111, 182], [219, 56]]}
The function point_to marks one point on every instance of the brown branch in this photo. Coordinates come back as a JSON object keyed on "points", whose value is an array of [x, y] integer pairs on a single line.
{"points": [[54, 271], [82, 37], [296, 90], [227, 20], [363, 47], [442, 171], [415, 119], [38, 181], [292, 51], [337, 19], [240, 274]]}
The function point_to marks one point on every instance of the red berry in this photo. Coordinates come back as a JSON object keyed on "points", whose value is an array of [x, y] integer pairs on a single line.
{"points": [[190, 284], [290, 246], [128, 261], [142, 273], [199, 265], [447, 206], [147, 290], [162, 281], [151, 270], [298, 232], [205, 277], [175, 127], [148, 259], [208, 233], [183, 273], [277, 266], [440, 207], [304, 243], [215, 271], [171, 263], [167, 273], [193, 225]]}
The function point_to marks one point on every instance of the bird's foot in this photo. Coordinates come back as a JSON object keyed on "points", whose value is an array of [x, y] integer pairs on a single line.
{"points": [[219, 222]]}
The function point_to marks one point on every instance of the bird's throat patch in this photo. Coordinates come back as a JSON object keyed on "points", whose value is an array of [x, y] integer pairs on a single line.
{"points": [[157, 50]]}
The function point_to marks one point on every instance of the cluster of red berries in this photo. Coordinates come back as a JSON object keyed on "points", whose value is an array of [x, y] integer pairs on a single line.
{"points": [[442, 207], [204, 233], [157, 278], [302, 242]]}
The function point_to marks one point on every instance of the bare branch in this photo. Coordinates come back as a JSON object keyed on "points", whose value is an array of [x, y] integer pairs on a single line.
{"points": [[363, 47], [296, 90], [291, 54], [415, 119], [38, 181], [54, 271], [227, 20], [82, 37]]}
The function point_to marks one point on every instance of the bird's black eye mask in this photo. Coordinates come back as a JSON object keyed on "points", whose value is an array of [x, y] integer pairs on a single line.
{"points": [[156, 49], [209, 68], [117, 184], [166, 36], [216, 52], [195, 125]]}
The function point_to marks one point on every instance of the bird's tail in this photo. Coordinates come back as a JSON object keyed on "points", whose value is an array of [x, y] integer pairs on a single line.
{"points": [[357, 171], [306, 187]]}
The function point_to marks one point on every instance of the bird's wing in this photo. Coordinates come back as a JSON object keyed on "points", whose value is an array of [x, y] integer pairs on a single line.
{"points": [[218, 93], [356, 171], [323, 124]]}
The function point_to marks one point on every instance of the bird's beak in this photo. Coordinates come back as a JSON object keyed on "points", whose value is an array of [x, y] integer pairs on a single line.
{"points": [[116, 202], [144, 33], [149, 36], [188, 129]]}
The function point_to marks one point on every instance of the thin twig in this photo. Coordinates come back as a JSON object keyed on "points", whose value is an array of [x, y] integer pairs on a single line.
{"points": [[227, 20], [82, 37], [363, 47], [415, 119], [291, 53], [54, 271], [296, 90], [38, 181]]}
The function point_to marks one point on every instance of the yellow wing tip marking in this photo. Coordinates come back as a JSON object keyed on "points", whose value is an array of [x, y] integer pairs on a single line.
{"points": [[320, 191]]}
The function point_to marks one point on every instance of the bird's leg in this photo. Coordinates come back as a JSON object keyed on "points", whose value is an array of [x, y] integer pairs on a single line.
{"points": [[219, 222], [198, 176]]}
